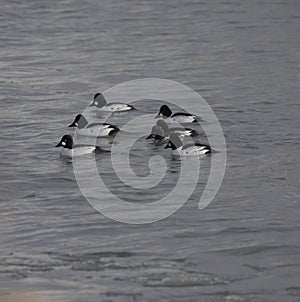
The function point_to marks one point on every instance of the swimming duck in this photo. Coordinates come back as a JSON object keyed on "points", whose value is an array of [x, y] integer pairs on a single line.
{"points": [[93, 129], [69, 150], [180, 117], [100, 102], [186, 150]]}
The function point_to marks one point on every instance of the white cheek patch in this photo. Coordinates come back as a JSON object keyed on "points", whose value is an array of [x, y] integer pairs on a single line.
{"points": [[96, 103], [63, 143]]}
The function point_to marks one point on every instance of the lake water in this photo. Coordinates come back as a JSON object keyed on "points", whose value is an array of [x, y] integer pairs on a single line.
{"points": [[243, 58]]}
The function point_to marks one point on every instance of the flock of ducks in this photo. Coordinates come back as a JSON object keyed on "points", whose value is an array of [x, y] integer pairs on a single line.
{"points": [[162, 132]]}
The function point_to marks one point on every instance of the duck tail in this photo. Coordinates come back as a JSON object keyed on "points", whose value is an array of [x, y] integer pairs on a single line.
{"points": [[114, 130], [198, 119]]}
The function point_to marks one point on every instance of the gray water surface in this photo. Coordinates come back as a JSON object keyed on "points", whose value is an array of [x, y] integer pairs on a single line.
{"points": [[243, 58]]}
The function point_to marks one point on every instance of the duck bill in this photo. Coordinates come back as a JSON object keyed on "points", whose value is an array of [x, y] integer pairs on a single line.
{"points": [[58, 145], [91, 105], [157, 116]]}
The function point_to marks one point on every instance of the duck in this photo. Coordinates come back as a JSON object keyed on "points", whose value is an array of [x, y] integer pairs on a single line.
{"points": [[182, 132], [93, 129], [101, 103], [70, 151], [190, 149], [179, 117]]}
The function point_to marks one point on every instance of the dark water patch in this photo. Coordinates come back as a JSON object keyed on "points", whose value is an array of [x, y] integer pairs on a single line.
{"points": [[293, 291]]}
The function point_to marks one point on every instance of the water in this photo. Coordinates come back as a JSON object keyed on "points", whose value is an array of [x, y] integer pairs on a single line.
{"points": [[243, 58]]}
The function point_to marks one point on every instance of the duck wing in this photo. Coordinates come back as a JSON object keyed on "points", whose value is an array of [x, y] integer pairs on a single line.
{"points": [[182, 114], [100, 125], [200, 146]]}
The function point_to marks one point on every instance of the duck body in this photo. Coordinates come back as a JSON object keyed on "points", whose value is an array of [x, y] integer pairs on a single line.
{"points": [[193, 150], [78, 151], [93, 129], [179, 149], [180, 131], [100, 103], [179, 117], [70, 151], [116, 107], [183, 117]]}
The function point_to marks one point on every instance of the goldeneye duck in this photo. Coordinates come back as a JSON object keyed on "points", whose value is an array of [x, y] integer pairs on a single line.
{"points": [[180, 117], [186, 150], [69, 150], [101, 103], [93, 129], [182, 132]]}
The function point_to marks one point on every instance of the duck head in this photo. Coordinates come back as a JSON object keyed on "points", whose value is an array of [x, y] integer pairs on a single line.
{"points": [[66, 142], [99, 100], [79, 122], [162, 124], [156, 133], [164, 111], [174, 142]]}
